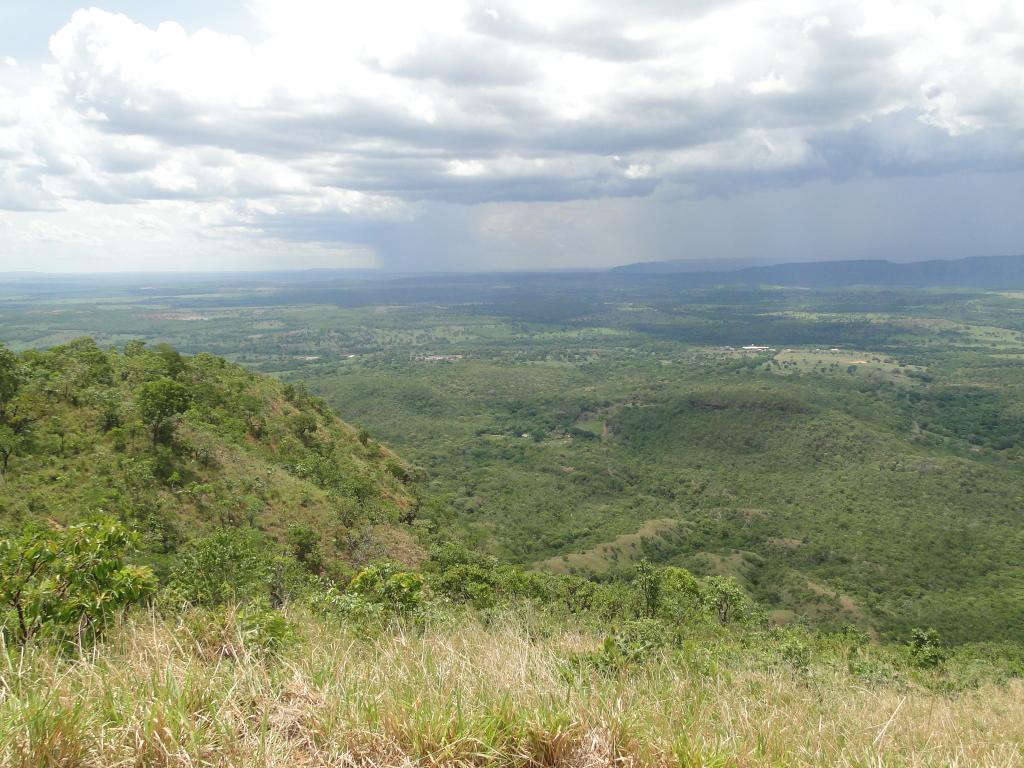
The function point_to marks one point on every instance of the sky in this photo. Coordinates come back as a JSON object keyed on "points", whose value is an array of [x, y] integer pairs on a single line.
{"points": [[506, 134]]}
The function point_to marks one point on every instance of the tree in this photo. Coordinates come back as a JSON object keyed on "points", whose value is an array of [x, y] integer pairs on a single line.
{"points": [[304, 543], [10, 443], [158, 402], [18, 410], [78, 365], [69, 582], [724, 596], [925, 648], [386, 583], [10, 379], [228, 566], [648, 581], [303, 425], [680, 593], [134, 348], [174, 363]]}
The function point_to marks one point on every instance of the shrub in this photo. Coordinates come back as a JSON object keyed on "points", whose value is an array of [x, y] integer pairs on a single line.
{"points": [[462, 575], [794, 650], [304, 544], [158, 402], [228, 632], [385, 584], [229, 566], [303, 425], [648, 582], [925, 648], [634, 642], [680, 593], [69, 583], [363, 614], [723, 597], [263, 630]]}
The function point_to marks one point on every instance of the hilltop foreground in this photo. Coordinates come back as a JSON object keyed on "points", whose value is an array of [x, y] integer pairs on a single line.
{"points": [[463, 689]]}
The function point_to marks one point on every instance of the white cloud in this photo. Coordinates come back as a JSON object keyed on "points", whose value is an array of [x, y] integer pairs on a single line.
{"points": [[347, 118]]}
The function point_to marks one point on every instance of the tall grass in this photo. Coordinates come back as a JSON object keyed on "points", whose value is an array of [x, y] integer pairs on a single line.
{"points": [[180, 693]]}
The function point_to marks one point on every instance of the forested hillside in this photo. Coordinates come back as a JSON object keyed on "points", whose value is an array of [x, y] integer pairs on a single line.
{"points": [[177, 446]]}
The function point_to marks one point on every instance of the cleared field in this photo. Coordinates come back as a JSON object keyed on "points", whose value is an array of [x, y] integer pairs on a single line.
{"points": [[622, 551], [845, 362]]}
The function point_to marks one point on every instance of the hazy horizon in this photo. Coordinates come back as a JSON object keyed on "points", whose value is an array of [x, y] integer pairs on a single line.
{"points": [[694, 266]]}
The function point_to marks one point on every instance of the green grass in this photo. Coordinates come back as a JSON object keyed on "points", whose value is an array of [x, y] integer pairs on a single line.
{"points": [[622, 552]]}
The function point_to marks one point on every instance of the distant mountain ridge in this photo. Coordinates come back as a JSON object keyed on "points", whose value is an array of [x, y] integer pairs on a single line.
{"points": [[992, 272]]}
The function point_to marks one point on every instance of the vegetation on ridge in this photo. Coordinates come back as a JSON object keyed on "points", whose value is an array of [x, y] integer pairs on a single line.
{"points": [[175, 446]]}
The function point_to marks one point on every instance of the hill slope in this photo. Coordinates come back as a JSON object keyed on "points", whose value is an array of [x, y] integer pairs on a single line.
{"points": [[179, 445]]}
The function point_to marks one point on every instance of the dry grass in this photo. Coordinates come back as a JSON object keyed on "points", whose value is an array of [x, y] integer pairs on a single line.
{"points": [[157, 695]]}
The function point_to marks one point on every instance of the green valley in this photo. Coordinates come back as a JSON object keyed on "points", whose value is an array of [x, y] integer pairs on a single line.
{"points": [[862, 469]]}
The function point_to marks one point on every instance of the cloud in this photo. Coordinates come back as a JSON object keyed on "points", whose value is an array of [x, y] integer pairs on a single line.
{"points": [[345, 121]]}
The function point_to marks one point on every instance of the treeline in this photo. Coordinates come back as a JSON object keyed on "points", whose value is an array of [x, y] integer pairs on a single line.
{"points": [[65, 588]]}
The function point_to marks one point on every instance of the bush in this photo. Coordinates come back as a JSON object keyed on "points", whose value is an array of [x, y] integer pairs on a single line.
{"points": [[680, 594], [925, 648], [385, 584], [365, 616], [634, 642], [648, 583], [235, 566], [158, 402], [304, 544], [794, 649], [69, 583], [228, 632], [464, 576], [723, 597]]}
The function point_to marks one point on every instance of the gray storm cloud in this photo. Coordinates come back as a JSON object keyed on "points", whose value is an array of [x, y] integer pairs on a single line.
{"points": [[465, 134]]}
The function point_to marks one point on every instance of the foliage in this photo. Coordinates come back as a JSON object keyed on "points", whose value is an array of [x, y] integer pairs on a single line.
{"points": [[925, 648], [648, 581], [356, 611], [224, 567], [10, 379], [634, 642], [873, 485], [724, 597], [388, 585], [158, 401], [614, 503], [304, 544], [68, 583], [235, 631], [235, 567], [681, 594], [77, 429]]}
